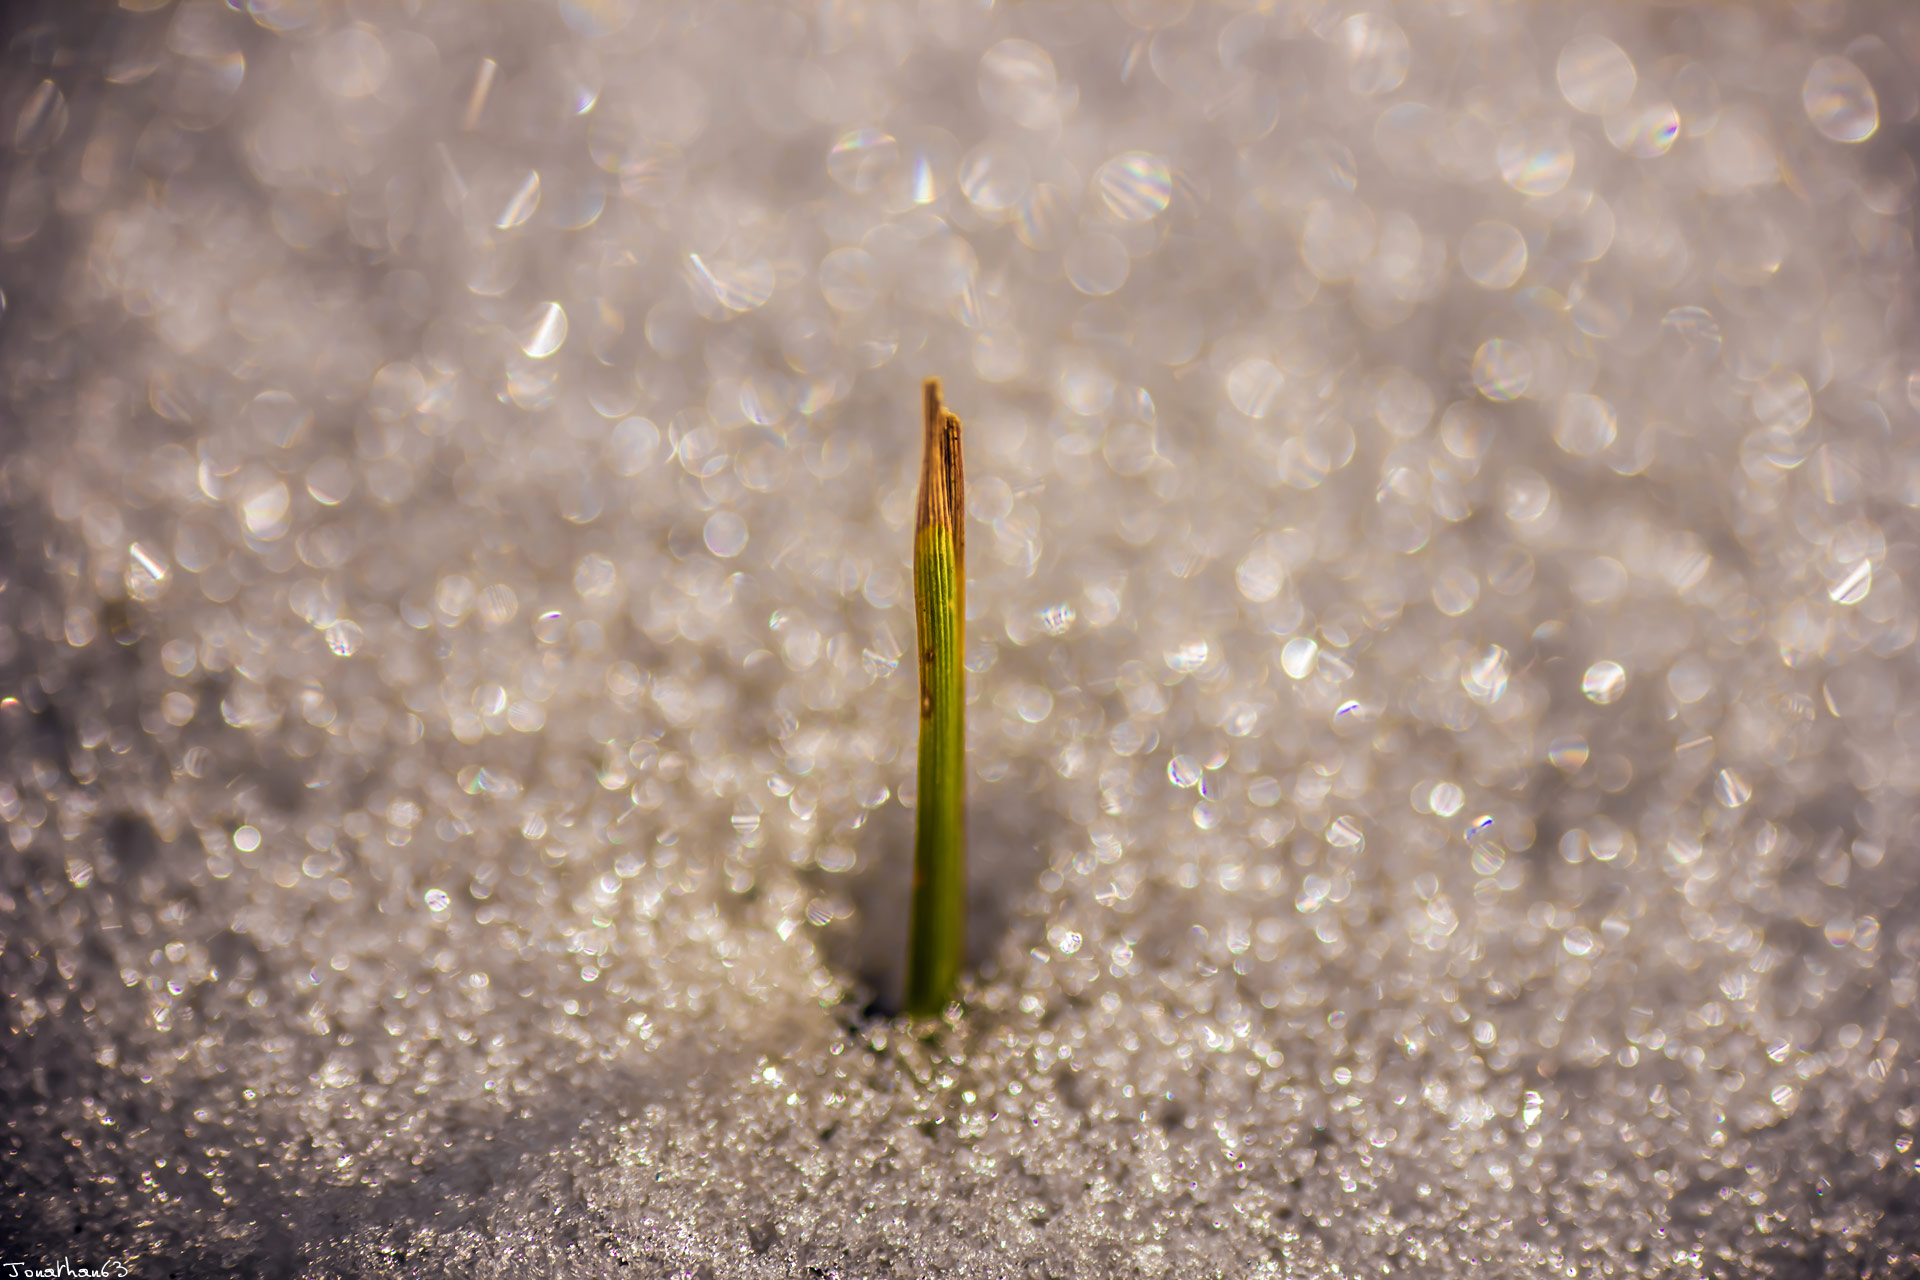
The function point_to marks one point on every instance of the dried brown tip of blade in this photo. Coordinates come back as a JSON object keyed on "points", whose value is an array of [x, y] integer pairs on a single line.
{"points": [[942, 486], [930, 391]]}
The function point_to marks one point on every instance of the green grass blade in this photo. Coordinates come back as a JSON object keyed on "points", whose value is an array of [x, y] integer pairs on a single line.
{"points": [[937, 932]]}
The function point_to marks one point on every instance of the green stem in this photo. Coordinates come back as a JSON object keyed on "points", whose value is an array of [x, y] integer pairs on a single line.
{"points": [[937, 933]]}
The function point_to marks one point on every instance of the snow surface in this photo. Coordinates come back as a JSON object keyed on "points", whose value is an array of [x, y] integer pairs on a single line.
{"points": [[1444, 734]]}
